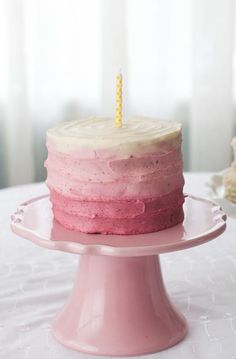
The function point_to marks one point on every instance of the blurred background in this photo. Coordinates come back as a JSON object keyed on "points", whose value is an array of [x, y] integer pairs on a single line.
{"points": [[59, 58]]}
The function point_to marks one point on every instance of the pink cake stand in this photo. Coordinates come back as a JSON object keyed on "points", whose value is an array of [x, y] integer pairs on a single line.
{"points": [[119, 305]]}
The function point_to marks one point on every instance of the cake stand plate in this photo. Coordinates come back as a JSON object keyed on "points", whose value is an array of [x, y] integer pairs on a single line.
{"points": [[119, 305]]}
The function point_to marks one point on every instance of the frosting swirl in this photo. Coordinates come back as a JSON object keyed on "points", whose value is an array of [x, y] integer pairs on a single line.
{"points": [[101, 133]]}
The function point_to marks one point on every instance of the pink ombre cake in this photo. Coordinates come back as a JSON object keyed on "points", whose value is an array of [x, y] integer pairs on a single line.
{"points": [[104, 179]]}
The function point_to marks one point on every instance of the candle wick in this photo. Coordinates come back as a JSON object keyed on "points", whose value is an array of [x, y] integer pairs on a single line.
{"points": [[119, 71]]}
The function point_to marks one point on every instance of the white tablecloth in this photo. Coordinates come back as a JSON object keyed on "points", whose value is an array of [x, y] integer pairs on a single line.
{"points": [[35, 283]]}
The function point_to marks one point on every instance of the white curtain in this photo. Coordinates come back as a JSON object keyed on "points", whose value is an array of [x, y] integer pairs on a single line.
{"points": [[58, 61]]}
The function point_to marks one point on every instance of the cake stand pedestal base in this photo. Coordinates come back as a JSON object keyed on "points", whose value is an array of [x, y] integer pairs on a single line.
{"points": [[119, 306]]}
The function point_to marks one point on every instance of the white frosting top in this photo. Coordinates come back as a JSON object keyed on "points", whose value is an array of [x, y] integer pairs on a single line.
{"points": [[101, 133]]}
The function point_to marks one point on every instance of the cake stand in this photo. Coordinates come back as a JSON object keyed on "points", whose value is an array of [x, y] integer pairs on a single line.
{"points": [[119, 305]]}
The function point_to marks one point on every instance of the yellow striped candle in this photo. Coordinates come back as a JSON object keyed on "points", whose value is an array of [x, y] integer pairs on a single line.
{"points": [[119, 100]]}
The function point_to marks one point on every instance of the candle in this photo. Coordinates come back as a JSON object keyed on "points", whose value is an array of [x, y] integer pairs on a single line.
{"points": [[118, 117]]}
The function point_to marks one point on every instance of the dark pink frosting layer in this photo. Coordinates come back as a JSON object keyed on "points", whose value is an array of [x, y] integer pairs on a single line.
{"points": [[137, 225], [142, 208]]}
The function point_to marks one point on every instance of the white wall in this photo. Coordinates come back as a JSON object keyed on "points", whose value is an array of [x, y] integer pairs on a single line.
{"points": [[58, 60]]}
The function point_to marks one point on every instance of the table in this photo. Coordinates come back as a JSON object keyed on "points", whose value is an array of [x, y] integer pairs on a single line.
{"points": [[35, 283]]}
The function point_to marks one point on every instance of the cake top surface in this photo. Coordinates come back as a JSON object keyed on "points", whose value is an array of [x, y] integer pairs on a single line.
{"points": [[100, 132]]}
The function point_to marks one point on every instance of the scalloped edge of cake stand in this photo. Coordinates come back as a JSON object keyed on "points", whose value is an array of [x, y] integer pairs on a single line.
{"points": [[111, 245]]}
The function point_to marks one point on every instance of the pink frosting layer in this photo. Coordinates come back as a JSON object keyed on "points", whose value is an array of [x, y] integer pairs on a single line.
{"points": [[114, 194], [131, 178], [137, 225], [142, 208]]}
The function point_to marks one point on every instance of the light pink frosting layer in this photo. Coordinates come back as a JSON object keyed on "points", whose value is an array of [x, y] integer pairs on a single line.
{"points": [[143, 177]]}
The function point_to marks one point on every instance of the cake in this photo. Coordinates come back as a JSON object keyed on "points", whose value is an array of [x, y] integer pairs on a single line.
{"points": [[104, 179], [229, 178]]}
